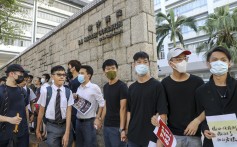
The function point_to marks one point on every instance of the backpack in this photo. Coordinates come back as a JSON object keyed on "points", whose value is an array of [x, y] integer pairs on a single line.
{"points": [[49, 95]]}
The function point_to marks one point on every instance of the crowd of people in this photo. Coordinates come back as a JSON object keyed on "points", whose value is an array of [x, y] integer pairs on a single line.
{"points": [[46, 107]]}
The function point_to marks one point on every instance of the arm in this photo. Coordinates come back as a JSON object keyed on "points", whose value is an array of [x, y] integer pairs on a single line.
{"points": [[128, 120], [103, 113], [123, 104], [11, 120], [101, 102], [193, 125], [68, 122], [39, 122]]}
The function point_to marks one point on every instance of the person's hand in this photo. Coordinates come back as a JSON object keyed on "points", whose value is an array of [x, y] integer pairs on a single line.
{"points": [[31, 118], [208, 134], [97, 124], [75, 96], [159, 144], [14, 120], [192, 127], [123, 136], [65, 140], [154, 120], [38, 135]]}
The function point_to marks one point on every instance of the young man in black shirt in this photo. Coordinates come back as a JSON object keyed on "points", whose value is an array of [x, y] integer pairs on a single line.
{"points": [[114, 112], [146, 97], [219, 95], [12, 101], [73, 69], [180, 89]]}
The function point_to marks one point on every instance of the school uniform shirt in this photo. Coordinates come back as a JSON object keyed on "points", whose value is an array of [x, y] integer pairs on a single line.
{"points": [[93, 94], [31, 97], [50, 110], [210, 101], [43, 87]]}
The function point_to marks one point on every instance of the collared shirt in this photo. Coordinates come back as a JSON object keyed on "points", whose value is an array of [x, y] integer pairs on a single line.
{"points": [[50, 111], [93, 94], [43, 87], [31, 97]]}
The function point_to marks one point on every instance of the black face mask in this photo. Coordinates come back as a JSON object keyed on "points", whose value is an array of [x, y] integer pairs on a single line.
{"points": [[19, 80], [69, 74]]}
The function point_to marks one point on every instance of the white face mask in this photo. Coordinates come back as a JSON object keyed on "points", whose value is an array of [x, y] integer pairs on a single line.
{"points": [[181, 67], [42, 80], [219, 68]]}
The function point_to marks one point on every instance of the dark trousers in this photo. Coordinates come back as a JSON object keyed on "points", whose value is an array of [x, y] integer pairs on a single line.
{"points": [[22, 141], [112, 137], [55, 134], [85, 133], [132, 144]]}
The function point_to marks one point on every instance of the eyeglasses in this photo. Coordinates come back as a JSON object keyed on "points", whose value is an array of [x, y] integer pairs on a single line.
{"points": [[60, 75], [180, 59]]}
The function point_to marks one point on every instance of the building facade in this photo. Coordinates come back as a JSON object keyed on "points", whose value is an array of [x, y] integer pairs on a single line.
{"points": [[39, 18], [199, 9]]}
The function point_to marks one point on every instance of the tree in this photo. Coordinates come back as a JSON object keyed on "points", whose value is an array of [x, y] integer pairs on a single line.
{"points": [[221, 29], [9, 26], [170, 24]]}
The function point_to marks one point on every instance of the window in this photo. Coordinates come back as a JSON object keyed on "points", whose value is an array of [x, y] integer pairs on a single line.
{"points": [[51, 17], [189, 6]]}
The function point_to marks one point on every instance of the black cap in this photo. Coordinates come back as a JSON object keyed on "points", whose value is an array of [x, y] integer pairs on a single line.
{"points": [[15, 67]]}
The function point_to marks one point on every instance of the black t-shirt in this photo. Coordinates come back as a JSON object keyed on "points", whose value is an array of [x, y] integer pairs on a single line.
{"points": [[144, 101], [222, 92], [181, 103], [74, 84], [17, 104], [113, 94]]}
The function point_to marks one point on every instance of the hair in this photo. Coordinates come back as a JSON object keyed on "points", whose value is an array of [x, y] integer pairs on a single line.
{"points": [[4, 78], [218, 49], [140, 54], [76, 64], [109, 62], [30, 76], [57, 68], [47, 76], [39, 78], [88, 69]]}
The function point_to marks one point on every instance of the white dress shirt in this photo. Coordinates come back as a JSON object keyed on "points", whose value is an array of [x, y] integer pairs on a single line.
{"points": [[43, 87], [50, 110], [93, 94], [32, 96]]}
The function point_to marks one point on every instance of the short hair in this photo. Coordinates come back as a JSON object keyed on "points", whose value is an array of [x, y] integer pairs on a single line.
{"points": [[4, 78], [76, 64], [218, 49], [30, 76], [88, 69], [140, 54], [57, 68], [109, 62], [39, 78], [47, 76]]}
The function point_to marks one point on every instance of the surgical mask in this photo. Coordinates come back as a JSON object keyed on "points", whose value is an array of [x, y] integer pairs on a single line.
{"points": [[52, 81], [20, 79], [111, 75], [141, 69], [219, 68], [81, 78], [181, 67], [42, 80]]}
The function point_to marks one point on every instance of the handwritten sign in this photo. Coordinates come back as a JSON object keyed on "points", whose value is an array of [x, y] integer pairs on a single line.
{"points": [[164, 134], [225, 129]]}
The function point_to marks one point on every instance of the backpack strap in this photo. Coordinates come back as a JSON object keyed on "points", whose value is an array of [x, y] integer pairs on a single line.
{"points": [[49, 95]]}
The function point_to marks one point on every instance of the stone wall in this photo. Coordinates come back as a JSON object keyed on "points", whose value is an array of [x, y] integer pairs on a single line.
{"points": [[61, 45], [73, 40]]}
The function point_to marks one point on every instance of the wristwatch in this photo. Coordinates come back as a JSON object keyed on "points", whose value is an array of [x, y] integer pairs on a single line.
{"points": [[121, 130]]}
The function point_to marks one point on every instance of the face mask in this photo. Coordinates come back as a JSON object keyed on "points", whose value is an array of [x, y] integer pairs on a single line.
{"points": [[141, 69], [111, 75], [42, 80], [219, 68], [81, 78], [69, 74], [181, 67], [19, 80], [52, 81]]}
